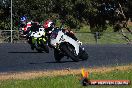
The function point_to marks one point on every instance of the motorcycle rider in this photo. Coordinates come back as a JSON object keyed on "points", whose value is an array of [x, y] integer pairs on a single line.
{"points": [[23, 21], [71, 34], [49, 26], [25, 25], [34, 28]]}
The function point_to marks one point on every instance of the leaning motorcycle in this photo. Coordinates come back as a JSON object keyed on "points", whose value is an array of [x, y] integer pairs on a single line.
{"points": [[39, 40], [64, 45]]}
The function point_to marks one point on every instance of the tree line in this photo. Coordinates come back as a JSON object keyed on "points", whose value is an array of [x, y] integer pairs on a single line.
{"points": [[73, 12]]}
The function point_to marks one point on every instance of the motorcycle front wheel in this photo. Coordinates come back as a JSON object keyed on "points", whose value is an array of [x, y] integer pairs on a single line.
{"points": [[82, 54], [70, 52], [45, 46], [58, 55]]}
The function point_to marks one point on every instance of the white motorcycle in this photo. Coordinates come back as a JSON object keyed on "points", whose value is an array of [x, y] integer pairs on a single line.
{"points": [[64, 45]]}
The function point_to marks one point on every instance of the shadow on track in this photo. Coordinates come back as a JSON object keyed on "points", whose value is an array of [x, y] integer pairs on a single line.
{"points": [[61, 62], [19, 57], [25, 52], [52, 62]]}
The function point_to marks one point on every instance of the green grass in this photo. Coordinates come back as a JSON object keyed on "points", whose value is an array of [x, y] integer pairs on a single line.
{"points": [[69, 81], [107, 37]]}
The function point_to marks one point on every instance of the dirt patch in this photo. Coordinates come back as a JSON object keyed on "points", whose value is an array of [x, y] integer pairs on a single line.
{"points": [[36, 74], [129, 23]]}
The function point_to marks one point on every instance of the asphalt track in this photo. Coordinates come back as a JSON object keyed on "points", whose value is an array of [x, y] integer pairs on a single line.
{"points": [[19, 57]]}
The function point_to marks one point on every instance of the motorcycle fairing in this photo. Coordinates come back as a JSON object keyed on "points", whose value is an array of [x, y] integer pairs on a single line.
{"points": [[61, 37]]}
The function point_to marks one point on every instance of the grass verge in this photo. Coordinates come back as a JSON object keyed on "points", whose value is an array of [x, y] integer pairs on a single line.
{"points": [[72, 80], [107, 37]]}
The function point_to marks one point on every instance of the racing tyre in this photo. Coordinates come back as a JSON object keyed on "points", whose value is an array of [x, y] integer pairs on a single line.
{"points": [[70, 52], [58, 56], [83, 54], [38, 48], [45, 47]]}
